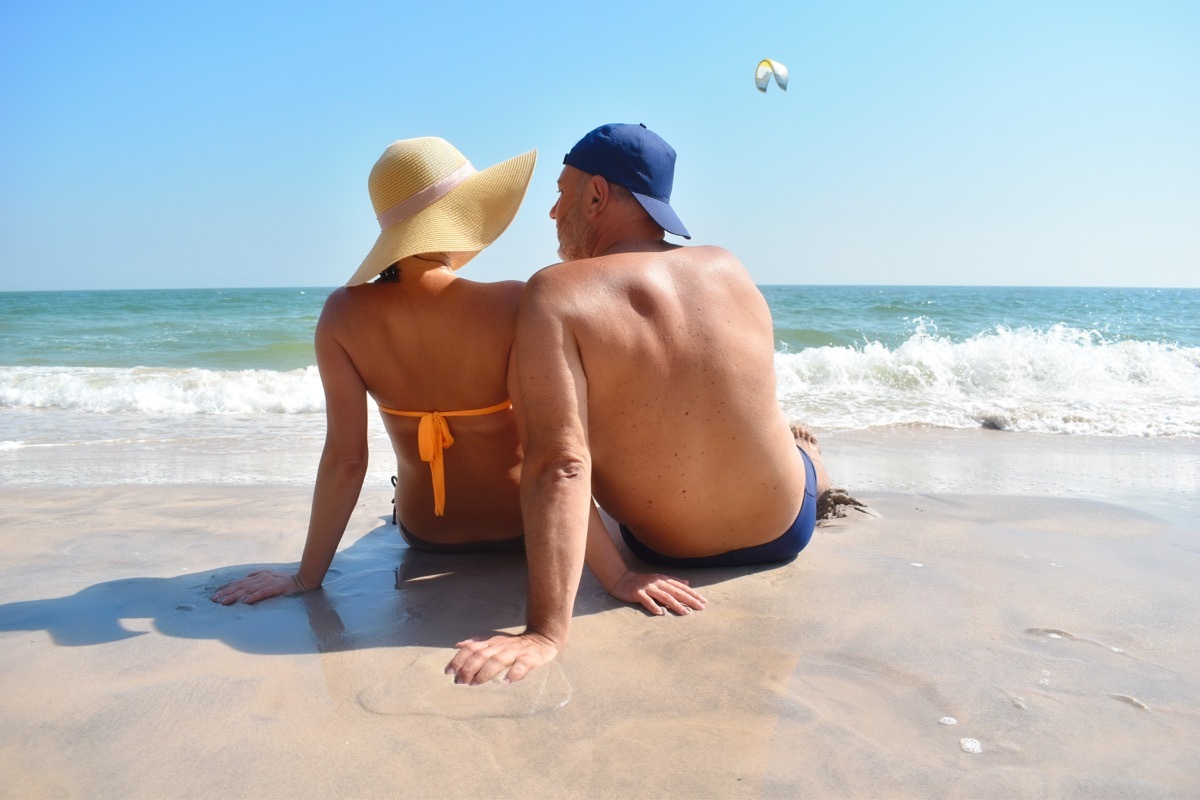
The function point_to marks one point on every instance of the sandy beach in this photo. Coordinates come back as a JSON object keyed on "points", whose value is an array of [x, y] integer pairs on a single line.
{"points": [[1038, 590]]}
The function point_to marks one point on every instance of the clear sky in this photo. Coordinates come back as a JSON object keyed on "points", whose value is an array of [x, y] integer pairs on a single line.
{"points": [[227, 144]]}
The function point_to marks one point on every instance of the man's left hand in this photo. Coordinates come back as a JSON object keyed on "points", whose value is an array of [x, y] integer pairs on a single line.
{"points": [[658, 593]]}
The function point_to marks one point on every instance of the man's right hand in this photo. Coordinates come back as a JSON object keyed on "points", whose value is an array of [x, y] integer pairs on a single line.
{"points": [[479, 660]]}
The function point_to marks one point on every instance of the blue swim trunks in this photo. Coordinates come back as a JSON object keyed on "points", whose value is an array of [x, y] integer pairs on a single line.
{"points": [[785, 548]]}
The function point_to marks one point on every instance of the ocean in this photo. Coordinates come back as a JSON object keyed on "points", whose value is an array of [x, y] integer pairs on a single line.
{"points": [[219, 386]]}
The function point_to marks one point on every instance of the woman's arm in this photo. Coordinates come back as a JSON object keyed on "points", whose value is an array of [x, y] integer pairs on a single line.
{"points": [[340, 476]]}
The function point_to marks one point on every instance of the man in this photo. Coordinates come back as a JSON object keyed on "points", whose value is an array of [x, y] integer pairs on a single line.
{"points": [[645, 378]]}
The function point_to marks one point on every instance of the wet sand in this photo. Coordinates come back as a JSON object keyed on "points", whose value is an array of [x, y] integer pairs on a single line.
{"points": [[1037, 590]]}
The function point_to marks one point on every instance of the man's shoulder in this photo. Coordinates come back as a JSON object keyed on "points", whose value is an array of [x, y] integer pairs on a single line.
{"points": [[620, 273], [630, 264], [563, 280], [709, 254]]}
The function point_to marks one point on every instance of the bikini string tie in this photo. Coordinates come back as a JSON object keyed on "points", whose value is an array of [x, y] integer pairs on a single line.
{"points": [[433, 437]]}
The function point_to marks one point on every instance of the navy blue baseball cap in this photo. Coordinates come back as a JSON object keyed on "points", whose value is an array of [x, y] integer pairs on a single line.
{"points": [[637, 158]]}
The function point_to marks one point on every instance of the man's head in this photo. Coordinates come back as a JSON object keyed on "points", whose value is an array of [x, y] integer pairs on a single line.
{"points": [[637, 159]]}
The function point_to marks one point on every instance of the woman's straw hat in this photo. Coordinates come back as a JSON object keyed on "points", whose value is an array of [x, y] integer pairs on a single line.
{"points": [[429, 199]]}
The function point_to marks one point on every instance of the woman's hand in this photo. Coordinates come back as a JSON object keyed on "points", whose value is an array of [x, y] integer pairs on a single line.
{"points": [[658, 593], [259, 585]]}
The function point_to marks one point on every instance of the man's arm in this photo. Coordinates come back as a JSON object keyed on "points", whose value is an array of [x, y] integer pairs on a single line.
{"points": [[556, 496], [339, 478]]}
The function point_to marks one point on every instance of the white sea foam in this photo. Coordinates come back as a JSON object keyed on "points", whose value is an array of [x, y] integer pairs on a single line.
{"points": [[1057, 380], [159, 391]]}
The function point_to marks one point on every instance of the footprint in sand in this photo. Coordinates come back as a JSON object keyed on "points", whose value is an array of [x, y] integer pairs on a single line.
{"points": [[424, 690]]}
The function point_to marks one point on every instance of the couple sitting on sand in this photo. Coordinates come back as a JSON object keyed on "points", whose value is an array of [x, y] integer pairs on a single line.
{"points": [[638, 373]]}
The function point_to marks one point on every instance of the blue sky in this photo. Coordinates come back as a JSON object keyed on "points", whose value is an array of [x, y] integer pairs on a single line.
{"points": [[227, 144]]}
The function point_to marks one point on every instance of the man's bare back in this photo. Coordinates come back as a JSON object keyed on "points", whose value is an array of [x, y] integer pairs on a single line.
{"points": [[690, 449]]}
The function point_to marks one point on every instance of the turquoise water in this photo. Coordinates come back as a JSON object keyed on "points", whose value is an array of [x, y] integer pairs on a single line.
{"points": [[231, 329], [224, 329], [854, 315], [1124, 362]]}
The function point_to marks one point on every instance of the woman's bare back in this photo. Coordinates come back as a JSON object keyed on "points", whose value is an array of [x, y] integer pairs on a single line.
{"points": [[435, 342]]}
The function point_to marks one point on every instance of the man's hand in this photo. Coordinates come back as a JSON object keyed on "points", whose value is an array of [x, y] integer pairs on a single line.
{"points": [[658, 593], [479, 659], [258, 585]]}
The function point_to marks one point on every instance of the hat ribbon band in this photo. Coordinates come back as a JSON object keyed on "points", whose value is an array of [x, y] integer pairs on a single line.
{"points": [[425, 198]]}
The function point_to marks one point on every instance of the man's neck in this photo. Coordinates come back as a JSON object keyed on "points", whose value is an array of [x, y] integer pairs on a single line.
{"points": [[634, 245]]}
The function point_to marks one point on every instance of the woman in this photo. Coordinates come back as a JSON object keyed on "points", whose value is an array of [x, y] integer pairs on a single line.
{"points": [[433, 351]]}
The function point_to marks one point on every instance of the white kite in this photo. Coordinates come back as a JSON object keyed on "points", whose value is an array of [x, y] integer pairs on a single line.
{"points": [[767, 68]]}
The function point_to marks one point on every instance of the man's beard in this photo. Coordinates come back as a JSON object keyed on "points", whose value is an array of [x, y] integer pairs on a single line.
{"points": [[575, 238]]}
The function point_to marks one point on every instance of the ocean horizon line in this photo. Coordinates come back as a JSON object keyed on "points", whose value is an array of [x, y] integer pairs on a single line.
{"points": [[974, 286]]}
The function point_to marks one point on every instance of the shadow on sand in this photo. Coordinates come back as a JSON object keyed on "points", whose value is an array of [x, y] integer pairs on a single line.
{"points": [[378, 593]]}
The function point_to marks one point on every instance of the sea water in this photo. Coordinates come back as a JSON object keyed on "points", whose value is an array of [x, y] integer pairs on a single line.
{"points": [[1113, 362], [173, 386]]}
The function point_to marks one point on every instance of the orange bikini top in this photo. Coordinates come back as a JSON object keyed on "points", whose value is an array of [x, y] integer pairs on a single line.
{"points": [[433, 436]]}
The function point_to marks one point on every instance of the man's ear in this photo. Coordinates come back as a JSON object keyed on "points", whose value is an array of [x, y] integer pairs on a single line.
{"points": [[598, 194]]}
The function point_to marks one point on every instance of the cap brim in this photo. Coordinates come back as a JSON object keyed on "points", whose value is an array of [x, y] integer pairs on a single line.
{"points": [[663, 214]]}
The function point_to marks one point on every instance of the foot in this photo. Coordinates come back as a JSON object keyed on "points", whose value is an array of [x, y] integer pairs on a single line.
{"points": [[831, 502], [808, 443]]}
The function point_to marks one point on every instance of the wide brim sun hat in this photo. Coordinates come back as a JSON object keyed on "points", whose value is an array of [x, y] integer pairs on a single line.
{"points": [[429, 199]]}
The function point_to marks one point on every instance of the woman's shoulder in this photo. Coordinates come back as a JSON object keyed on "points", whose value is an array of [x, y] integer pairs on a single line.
{"points": [[352, 303], [340, 300]]}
